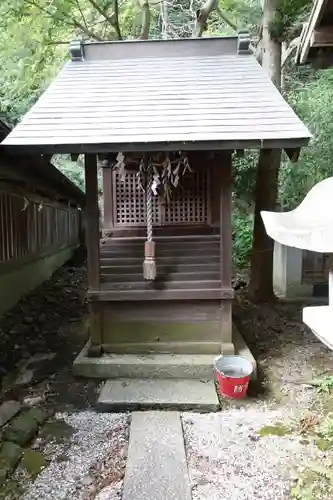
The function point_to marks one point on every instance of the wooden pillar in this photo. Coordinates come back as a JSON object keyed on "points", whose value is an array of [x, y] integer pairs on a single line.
{"points": [[215, 189], [226, 251], [108, 198], [93, 249]]}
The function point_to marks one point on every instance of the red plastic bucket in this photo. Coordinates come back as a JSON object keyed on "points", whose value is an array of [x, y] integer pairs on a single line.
{"points": [[233, 375]]}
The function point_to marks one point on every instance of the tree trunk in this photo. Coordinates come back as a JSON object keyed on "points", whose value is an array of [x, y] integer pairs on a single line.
{"points": [[202, 17], [261, 280], [145, 20], [165, 19]]}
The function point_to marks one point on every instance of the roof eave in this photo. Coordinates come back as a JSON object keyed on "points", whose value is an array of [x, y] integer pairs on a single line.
{"points": [[284, 143]]}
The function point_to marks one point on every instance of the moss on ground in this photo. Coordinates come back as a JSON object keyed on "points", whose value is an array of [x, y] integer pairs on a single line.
{"points": [[11, 490], [33, 462], [57, 430], [277, 429]]}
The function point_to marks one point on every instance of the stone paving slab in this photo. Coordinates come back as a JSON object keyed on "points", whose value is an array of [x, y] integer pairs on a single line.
{"points": [[8, 410], [136, 394], [10, 454], [24, 427], [156, 465]]}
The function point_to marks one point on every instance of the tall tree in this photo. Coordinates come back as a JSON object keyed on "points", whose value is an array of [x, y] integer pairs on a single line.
{"points": [[261, 282], [278, 26]]}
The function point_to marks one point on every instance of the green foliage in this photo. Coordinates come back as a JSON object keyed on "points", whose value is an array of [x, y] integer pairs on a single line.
{"points": [[244, 176], [314, 483], [289, 13], [242, 229], [312, 103], [34, 36], [326, 428], [316, 480], [28, 62], [323, 384], [73, 170]]}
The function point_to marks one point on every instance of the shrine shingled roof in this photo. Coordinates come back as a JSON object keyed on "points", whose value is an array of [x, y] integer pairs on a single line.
{"points": [[207, 93]]}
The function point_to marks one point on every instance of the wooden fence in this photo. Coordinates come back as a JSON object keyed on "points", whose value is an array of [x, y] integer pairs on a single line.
{"points": [[31, 226]]}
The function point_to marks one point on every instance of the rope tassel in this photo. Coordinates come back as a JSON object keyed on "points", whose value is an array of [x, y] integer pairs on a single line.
{"points": [[149, 264]]}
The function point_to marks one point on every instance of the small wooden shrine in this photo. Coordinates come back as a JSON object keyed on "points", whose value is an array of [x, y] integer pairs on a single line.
{"points": [[162, 119]]}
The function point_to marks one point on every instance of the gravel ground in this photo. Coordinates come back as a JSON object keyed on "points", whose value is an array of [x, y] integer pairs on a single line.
{"points": [[90, 465], [228, 460], [225, 457]]}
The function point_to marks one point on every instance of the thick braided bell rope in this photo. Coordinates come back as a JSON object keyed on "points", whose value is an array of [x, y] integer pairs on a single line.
{"points": [[149, 203], [149, 264]]}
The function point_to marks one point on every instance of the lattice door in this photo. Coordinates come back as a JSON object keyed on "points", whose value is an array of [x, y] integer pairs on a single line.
{"points": [[188, 204]]}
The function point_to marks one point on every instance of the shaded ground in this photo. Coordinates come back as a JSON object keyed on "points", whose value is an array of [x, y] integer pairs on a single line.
{"points": [[43, 333], [288, 354]]}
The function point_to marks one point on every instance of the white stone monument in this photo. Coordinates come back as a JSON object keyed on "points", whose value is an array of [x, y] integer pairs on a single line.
{"points": [[288, 273], [310, 227]]}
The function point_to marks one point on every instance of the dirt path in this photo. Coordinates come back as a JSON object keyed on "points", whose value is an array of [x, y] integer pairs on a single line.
{"points": [[288, 353]]}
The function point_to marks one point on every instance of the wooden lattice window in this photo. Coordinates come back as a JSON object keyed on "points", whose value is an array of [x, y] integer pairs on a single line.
{"points": [[188, 203], [130, 202]]}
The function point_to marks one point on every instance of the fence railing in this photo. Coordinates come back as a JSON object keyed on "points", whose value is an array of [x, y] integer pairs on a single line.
{"points": [[30, 226]]}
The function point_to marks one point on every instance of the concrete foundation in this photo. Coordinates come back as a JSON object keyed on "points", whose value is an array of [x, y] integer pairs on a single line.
{"points": [[287, 273], [22, 279], [145, 366]]}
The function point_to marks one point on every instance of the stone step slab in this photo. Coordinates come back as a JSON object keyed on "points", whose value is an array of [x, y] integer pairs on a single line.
{"points": [[161, 366], [156, 466], [142, 394]]}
